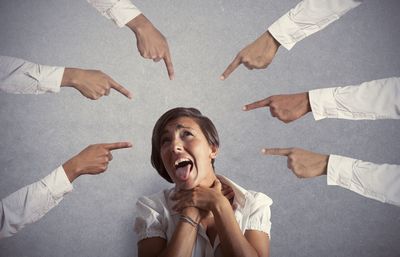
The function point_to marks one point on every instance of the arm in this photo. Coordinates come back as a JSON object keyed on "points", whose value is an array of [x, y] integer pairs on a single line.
{"points": [[19, 76], [308, 17], [184, 232], [233, 242], [150, 229], [377, 99], [150, 42], [119, 11], [376, 181], [31, 203]]}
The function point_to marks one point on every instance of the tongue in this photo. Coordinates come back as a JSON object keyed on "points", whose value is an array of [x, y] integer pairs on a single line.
{"points": [[183, 172]]}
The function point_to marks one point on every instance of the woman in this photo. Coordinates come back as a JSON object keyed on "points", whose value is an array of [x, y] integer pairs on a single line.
{"points": [[195, 218]]}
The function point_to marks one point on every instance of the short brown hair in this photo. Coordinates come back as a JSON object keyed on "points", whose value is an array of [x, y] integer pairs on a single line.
{"points": [[205, 124]]}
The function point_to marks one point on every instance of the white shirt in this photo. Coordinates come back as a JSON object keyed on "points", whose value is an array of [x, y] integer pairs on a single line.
{"points": [[119, 11], [155, 217], [32, 202], [22, 77], [308, 17], [378, 99]]}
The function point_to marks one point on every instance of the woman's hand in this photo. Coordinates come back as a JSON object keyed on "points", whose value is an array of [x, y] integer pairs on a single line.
{"points": [[203, 198]]}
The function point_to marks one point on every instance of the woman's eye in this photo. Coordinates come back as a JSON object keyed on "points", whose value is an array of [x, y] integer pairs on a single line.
{"points": [[165, 140], [187, 133]]}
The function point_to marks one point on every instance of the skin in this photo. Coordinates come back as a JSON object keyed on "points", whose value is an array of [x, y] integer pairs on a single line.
{"points": [[286, 108], [151, 43], [92, 84], [258, 55], [200, 198], [304, 164], [92, 160]]}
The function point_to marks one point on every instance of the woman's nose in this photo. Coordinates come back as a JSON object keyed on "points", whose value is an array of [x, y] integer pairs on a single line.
{"points": [[177, 146]]}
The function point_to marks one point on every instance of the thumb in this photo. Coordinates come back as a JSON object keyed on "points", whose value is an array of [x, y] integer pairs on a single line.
{"points": [[217, 185]]}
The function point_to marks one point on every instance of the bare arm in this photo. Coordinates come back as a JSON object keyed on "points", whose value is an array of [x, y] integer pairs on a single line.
{"points": [[184, 232]]}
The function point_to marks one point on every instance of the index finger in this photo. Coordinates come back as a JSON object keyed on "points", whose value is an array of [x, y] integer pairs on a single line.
{"points": [[262, 103], [234, 64], [276, 151], [170, 67], [118, 145], [121, 89]]}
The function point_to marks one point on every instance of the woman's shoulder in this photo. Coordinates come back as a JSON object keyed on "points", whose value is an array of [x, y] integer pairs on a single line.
{"points": [[258, 198], [157, 201]]}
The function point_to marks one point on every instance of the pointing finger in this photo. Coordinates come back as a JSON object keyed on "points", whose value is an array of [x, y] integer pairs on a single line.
{"points": [[234, 64], [118, 145], [121, 89], [262, 103], [277, 151], [170, 67]]}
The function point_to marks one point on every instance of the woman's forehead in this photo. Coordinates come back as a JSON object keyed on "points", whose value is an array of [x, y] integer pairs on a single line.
{"points": [[181, 123]]}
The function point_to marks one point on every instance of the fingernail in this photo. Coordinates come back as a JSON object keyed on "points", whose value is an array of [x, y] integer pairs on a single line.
{"points": [[244, 108], [222, 78], [264, 150]]}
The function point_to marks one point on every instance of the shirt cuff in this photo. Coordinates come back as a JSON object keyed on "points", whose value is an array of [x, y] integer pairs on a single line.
{"points": [[286, 32], [50, 78], [123, 12], [340, 171], [323, 103], [58, 183]]}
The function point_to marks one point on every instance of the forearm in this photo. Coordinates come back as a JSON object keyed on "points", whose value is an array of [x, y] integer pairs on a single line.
{"points": [[184, 232], [19, 76], [32, 202], [377, 99], [233, 242], [308, 17], [377, 181], [119, 11]]}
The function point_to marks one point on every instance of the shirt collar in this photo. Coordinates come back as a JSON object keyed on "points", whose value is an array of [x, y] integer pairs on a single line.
{"points": [[240, 192]]}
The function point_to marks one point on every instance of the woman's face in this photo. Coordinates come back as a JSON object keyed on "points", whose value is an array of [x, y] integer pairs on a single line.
{"points": [[186, 154]]}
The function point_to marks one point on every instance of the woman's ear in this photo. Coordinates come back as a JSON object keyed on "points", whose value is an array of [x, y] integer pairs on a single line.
{"points": [[214, 152]]}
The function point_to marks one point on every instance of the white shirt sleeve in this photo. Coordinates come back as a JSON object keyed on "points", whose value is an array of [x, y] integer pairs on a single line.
{"points": [[149, 219], [119, 11], [260, 214], [376, 181], [377, 99], [32, 202], [18, 76], [308, 17]]}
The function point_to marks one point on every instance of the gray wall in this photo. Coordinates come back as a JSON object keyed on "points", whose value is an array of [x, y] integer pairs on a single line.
{"points": [[38, 133]]}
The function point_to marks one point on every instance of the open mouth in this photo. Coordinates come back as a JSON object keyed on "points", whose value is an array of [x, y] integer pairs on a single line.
{"points": [[183, 167]]}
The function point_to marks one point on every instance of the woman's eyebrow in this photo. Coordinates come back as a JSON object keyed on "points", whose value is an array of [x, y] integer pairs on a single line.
{"points": [[178, 127]]}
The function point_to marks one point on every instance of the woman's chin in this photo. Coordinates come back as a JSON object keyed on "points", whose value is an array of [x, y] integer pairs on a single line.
{"points": [[186, 185]]}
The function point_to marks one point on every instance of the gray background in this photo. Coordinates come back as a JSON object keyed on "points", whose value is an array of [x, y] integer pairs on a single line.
{"points": [[38, 133]]}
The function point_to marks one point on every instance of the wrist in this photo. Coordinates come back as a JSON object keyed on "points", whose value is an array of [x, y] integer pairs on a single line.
{"points": [[219, 205], [272, 39], [325, 164], [193, 213], [138, 23], [71, 77], [71, 169], [307, 101]]}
